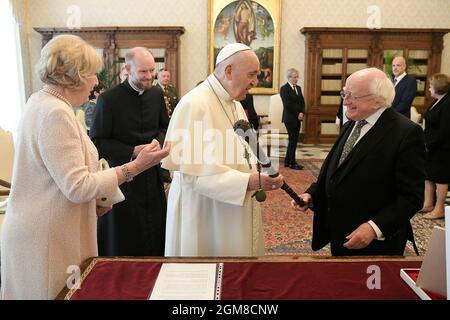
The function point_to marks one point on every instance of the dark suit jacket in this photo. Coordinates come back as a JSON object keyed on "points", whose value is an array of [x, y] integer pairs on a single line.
{"points": [[437, 125], [249, 108], [293, 104], [382, 179], [405, 92]]}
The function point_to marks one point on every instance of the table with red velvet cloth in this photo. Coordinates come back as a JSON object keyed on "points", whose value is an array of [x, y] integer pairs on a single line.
{"points": [[264, 278]]}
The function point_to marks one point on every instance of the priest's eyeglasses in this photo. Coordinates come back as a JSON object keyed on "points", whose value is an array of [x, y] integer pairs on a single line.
{"points": [[349, 95]]}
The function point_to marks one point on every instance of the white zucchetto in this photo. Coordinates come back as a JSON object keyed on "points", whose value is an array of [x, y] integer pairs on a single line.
{"points": [[229, 50]]}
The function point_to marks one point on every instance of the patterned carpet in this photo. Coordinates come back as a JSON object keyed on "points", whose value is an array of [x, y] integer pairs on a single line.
{"points": [[289, 232]]}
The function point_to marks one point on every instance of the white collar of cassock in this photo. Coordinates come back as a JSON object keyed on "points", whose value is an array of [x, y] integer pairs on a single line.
{"points": [[139, 91], [218, 88]]}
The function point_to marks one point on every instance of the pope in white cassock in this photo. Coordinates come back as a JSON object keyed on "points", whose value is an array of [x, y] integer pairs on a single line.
{"points": [[210, 211]]}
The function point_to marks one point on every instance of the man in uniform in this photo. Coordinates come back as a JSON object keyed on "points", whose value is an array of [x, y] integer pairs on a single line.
{"points": [[170, 93]]}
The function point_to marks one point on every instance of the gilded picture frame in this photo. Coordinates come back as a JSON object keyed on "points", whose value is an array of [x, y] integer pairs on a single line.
{"points": [[255, 23]]}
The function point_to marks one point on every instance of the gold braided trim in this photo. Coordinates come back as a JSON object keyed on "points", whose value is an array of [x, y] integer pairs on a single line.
{"points": [[83, 277]]}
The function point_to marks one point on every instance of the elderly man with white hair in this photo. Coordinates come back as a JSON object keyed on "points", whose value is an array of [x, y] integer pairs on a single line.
{"points": [[211, 211], [372, 182]]}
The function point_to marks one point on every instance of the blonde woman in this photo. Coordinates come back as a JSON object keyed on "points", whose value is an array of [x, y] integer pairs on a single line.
{"points": [[50, 224]]}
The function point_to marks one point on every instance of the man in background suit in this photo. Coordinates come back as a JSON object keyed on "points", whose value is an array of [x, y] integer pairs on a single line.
{"points": [[293, 113], [405, 87], [365, 195]]}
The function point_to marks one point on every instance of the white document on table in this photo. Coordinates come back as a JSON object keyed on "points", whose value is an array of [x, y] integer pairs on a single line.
{"points": [[185, 281]]}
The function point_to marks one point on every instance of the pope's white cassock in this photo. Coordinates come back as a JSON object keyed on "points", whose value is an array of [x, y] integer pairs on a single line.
{"points": [[209, 211]]}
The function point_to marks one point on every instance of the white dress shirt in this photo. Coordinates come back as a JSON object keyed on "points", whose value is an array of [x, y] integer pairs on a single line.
{"points": [[399, 78]]}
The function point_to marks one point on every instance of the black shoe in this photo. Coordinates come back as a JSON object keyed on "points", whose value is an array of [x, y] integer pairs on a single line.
{"points": [[296, 166], [286, 164]]}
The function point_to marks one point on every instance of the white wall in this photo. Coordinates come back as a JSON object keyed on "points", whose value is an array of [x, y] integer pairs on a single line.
{"points": [[193, 16], [21, 14], [190, 14]]}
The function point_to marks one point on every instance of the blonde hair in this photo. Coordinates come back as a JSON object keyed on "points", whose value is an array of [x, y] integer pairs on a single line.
{"points": [[66, 61]]}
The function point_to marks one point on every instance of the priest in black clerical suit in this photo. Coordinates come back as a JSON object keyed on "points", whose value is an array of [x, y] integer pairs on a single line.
{"points": [[127, 117], [364, 198]]}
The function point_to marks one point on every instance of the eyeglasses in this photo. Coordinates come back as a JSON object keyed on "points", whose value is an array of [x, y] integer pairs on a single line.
{"points": [[349, 95]]}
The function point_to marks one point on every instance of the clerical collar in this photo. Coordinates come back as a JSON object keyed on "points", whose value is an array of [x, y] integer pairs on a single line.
{"points": [[218, 88], [139, 91]]}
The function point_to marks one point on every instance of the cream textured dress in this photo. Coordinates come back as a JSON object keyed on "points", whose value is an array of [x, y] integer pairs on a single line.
{"points": [[51, 221]]}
